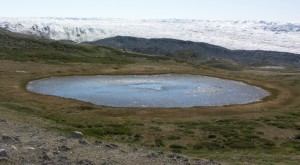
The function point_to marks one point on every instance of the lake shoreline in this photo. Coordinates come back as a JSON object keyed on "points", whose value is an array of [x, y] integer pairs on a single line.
{"points": [[150, 90]]}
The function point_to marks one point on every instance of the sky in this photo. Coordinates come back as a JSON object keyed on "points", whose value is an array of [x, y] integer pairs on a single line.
{"points": [[268, 10]]}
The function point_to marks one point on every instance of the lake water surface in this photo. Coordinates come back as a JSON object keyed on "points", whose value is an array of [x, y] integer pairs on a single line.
{"points": [[169, 90]]}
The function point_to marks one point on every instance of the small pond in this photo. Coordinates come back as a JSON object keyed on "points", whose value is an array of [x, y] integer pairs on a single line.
{"points": [[168, 90]]}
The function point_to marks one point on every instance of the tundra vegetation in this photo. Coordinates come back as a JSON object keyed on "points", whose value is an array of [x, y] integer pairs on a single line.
{"points": [[265, 132]]}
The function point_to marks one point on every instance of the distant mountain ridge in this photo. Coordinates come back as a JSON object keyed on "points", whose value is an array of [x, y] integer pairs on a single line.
{"points": [[245, 35], [199, 51]]}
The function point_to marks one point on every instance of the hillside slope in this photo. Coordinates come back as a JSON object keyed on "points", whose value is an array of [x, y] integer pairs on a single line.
{"points": [[199, 52], [258, 133], [20, 47]]}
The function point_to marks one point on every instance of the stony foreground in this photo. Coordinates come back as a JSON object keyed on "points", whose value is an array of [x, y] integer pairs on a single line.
{"points": [[26, 144]]}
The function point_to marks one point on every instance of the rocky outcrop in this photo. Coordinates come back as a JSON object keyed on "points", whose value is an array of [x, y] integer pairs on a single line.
{"points": [[31, 145]]}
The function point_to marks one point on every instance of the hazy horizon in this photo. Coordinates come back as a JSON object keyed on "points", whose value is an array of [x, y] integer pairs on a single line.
{"points": [[235, 10], [116, 18]]}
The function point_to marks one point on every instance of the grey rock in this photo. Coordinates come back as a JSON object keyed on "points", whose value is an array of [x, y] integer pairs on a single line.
{"points": [[3, 153], [64, 148], [97, 142], [83, 142], [56, 152], [63, 159], [152, 155], [4, 160], [76, 135], [185, 159], [110, 162], [111, 146], [178, 158], [29, 148], [34, 143], [14, 148], [171, 155], [9, 139], [206, 162], [85, 162], [45, 156], [62, 140], [161, 153]]}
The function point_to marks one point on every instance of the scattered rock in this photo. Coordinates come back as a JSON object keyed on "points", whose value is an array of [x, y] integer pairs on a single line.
{"points": [[4, 160], [14, 147], [64, 148], [111, 146], [33, 143], [83, 142], [171, 155], [206, 162], [56, 152], [45, 156], [43, 149], [30, 145], [62, 140], [76, 135], [97, 142], [29, 148], [9, 139], [63, 159], [152, 155], [185, 159], [110, 162], [85, 162], [161, 153], [3, 153], [178, 158]]}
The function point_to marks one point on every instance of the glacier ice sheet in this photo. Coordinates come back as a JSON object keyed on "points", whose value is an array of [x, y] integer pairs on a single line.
{"points": [[248, 35]]}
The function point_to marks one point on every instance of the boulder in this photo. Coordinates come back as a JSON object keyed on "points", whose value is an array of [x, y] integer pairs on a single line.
{"points": [[3, 153], [76, 135]]}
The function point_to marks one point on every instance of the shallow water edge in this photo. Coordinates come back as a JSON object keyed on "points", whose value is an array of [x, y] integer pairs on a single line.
{"points": [[165, 90]]}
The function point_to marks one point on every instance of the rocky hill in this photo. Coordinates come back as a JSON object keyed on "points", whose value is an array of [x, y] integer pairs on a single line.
{"points": [[21, 41], [199, 51]]}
